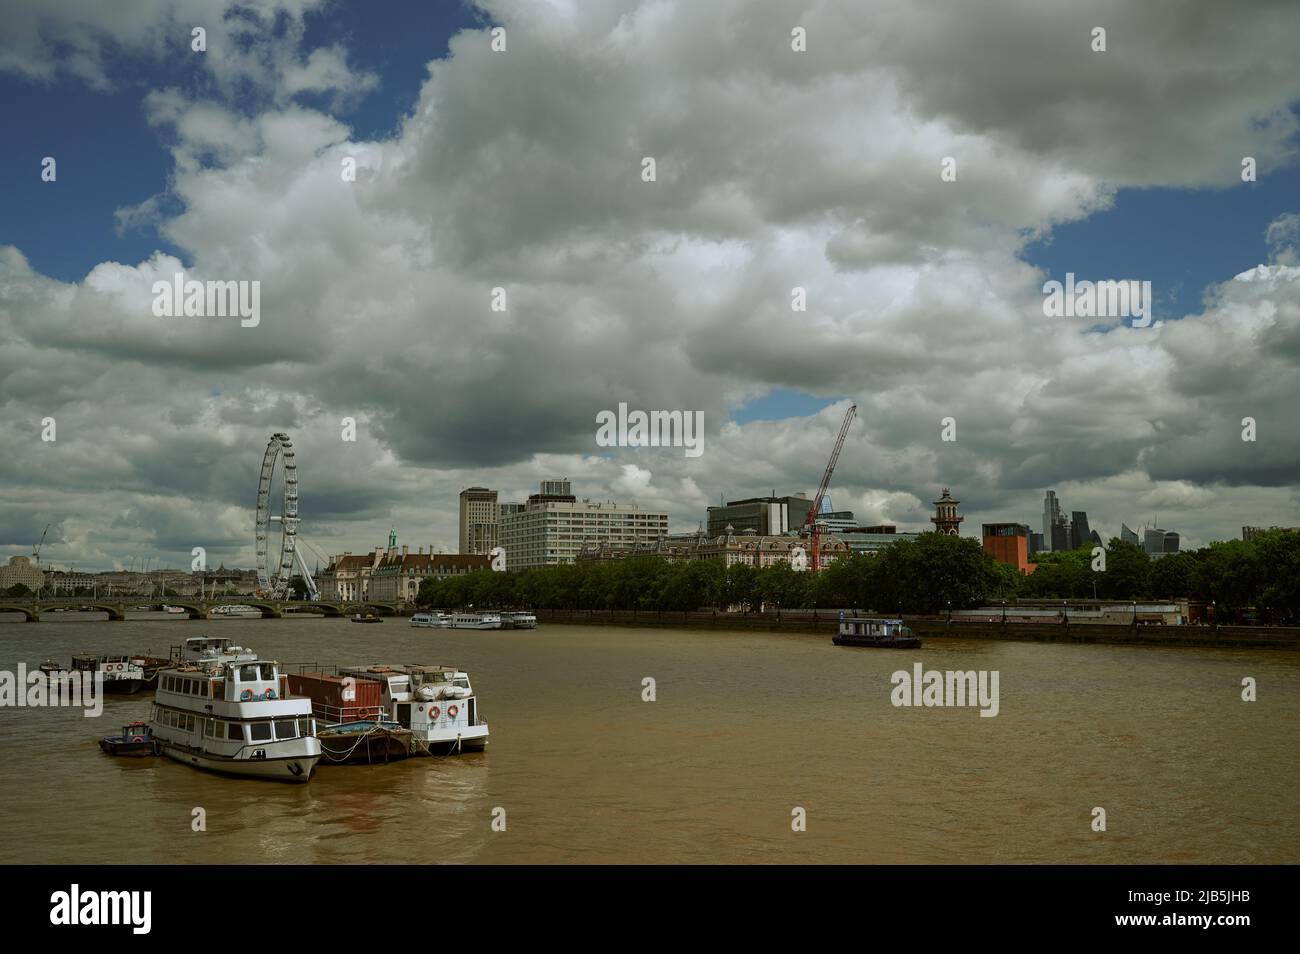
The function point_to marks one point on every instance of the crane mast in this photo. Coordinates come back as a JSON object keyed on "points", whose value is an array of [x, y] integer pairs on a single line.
{"points": [[810, 525], [36, 550]]}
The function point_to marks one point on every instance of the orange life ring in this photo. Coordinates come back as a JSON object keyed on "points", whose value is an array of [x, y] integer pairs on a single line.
{"points": [[434, 712], [453, 711], [137, 738]]}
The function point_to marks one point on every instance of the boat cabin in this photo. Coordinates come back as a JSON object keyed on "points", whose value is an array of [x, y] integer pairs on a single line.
{"points": [[869, 628], [210, 649]]}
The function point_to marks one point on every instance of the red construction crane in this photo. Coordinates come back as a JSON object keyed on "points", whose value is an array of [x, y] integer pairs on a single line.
{"points": [[811, 527]]}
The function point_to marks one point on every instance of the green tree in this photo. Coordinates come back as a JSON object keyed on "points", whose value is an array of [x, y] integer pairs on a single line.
{"points": [[1127, 573], [18, 590], [1173, 576]]}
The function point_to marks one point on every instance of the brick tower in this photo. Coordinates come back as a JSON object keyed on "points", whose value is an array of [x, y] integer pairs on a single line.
{"points": [[946, 518]]}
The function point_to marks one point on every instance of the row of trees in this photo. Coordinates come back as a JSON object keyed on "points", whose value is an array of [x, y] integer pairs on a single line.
{"points": [[927, 575], [1262, 574], [931, 574]]}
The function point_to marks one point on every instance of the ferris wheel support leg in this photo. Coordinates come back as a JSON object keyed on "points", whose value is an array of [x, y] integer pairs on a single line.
{"points": [[312, 590]]}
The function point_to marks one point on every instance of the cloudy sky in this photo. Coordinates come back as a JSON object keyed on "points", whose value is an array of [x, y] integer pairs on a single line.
{"points": [[522, 169]]}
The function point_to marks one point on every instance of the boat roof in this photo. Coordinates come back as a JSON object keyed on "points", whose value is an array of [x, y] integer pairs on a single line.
{"points": [[400, 669]]}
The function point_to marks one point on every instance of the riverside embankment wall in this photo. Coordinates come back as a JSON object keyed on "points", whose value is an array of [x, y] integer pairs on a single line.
{"points": [[1245, 637]]}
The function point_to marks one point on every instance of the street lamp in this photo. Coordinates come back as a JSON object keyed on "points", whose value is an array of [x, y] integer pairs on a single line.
{"points": [[1004, 612]]}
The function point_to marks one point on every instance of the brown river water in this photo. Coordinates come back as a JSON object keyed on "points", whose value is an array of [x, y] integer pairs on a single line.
{"points": [[745, 727]]}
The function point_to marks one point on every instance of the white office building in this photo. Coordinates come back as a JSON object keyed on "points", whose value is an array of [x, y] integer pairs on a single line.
{"points": [[553, 526]]}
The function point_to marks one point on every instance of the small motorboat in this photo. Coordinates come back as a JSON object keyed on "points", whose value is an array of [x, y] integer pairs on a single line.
{"points": [[367, 618], [50, 668], [135, 741]]}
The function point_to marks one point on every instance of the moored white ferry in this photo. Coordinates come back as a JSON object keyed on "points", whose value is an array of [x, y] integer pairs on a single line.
{"points": [[236, 717], [436, 703], [474, 621], [430, 620], [514, 620], [236, 610]]}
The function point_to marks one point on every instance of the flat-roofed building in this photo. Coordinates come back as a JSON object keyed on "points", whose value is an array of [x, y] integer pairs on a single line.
{"points": [[553, 526], [1008, 543], [874, 539], [730, 547], [766, 516], [19, 570], [480, 517]]}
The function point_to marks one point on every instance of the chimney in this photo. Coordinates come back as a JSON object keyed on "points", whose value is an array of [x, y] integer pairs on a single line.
{"points": [[404, 549], [420, 551]]}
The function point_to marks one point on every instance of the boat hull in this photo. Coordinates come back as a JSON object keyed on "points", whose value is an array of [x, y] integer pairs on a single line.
{"points": [[289, 768], [136, 750], [125, 687], [864, 642], [364, 747], [472, 738]]}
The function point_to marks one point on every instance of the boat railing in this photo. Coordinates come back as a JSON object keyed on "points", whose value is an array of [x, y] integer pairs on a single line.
{"points": [[336, 715]]}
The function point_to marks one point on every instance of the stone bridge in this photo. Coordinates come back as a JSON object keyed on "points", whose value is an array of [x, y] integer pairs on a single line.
{"points": [[199, 609]]}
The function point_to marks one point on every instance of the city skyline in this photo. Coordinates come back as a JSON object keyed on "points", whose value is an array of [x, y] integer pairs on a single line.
{"points": [[922, 293]]}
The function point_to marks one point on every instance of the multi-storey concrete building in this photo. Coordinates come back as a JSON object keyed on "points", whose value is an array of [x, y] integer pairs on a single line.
{"points": [[20, 571], [766, 516], [730, 547], [479, 520], [874, 539], [553, 526]]}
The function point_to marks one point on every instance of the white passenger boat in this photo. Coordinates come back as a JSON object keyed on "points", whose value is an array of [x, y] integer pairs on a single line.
{"points": [[174, 610], [474, 621], [436, 703], [430, 620], [122, 674], [237, 718], [237, 611], [518, 621], [210, 651]]}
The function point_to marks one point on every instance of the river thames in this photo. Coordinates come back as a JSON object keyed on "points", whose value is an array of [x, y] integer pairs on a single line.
{"points": [[745, 728]]}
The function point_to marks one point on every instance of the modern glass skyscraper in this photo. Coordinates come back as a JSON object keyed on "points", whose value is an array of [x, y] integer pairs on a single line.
{"points": [[1080, 531], [1051, 517]]}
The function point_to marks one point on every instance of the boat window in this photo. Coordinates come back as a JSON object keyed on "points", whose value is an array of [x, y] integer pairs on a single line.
{"points": [[286, 729], [235, 732], [306, 727], [189, 723], [463, 682], [260, 731], [268, 670], [247, 673]]}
